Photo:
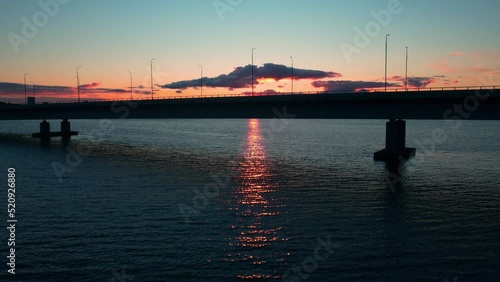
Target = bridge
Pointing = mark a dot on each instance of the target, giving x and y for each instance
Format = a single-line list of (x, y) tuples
[(479, 104), (446, 104)]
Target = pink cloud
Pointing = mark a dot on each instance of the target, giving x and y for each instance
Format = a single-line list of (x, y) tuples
[(458, 54), (442, 67), (490, 55), (481, 68)]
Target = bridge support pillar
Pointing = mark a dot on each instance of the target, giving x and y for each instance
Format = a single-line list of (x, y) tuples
[(65, 131), (45, 127), (65, 125), (45, 134), (395, 143)]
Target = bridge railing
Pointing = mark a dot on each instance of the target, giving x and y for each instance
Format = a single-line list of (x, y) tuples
[(389, 90)]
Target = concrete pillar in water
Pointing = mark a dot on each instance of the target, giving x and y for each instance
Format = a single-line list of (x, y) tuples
[(44, 134), (44, 127), (65, 125), (395, 136), (395, 142)]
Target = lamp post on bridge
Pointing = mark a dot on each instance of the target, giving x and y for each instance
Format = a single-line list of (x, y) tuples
[(252, 69), (25, 95), (406, 71), (78, 83), (34, 94), (131, 88), (152, 89), (385, 82), (292, 73), (201, 79)]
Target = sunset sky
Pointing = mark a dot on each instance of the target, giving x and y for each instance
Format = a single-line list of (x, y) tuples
[(451, 43)]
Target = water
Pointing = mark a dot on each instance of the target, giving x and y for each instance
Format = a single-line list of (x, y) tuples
[(235, 200)]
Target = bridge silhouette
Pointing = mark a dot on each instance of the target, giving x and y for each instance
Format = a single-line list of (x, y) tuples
[(478, 104), (445, 104)]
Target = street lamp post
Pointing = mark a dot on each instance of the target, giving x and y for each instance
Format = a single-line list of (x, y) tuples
[(78, 83), (385, 83), (292, 72), (25, 95), (152, 89), (131, 89), (406, 71), (201, 79), (34, 94), (252, 69)]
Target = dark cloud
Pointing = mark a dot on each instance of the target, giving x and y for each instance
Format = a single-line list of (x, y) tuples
[(349, 85), (8, 88), (449, 81), (90, 85), (143, 92), (109, 90), (18, 88), (241, 77), (419, 82), (262, 93), (278, 72)]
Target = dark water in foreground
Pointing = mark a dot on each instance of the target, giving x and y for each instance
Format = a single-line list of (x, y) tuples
[(233, 200)]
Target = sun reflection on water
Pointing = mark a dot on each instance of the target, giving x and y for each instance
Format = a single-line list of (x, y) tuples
[(255, 245)]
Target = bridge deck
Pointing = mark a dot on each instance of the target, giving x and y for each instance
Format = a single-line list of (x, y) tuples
[(470, 104)]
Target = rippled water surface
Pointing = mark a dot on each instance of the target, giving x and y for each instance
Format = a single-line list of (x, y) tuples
[(236, 200)]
